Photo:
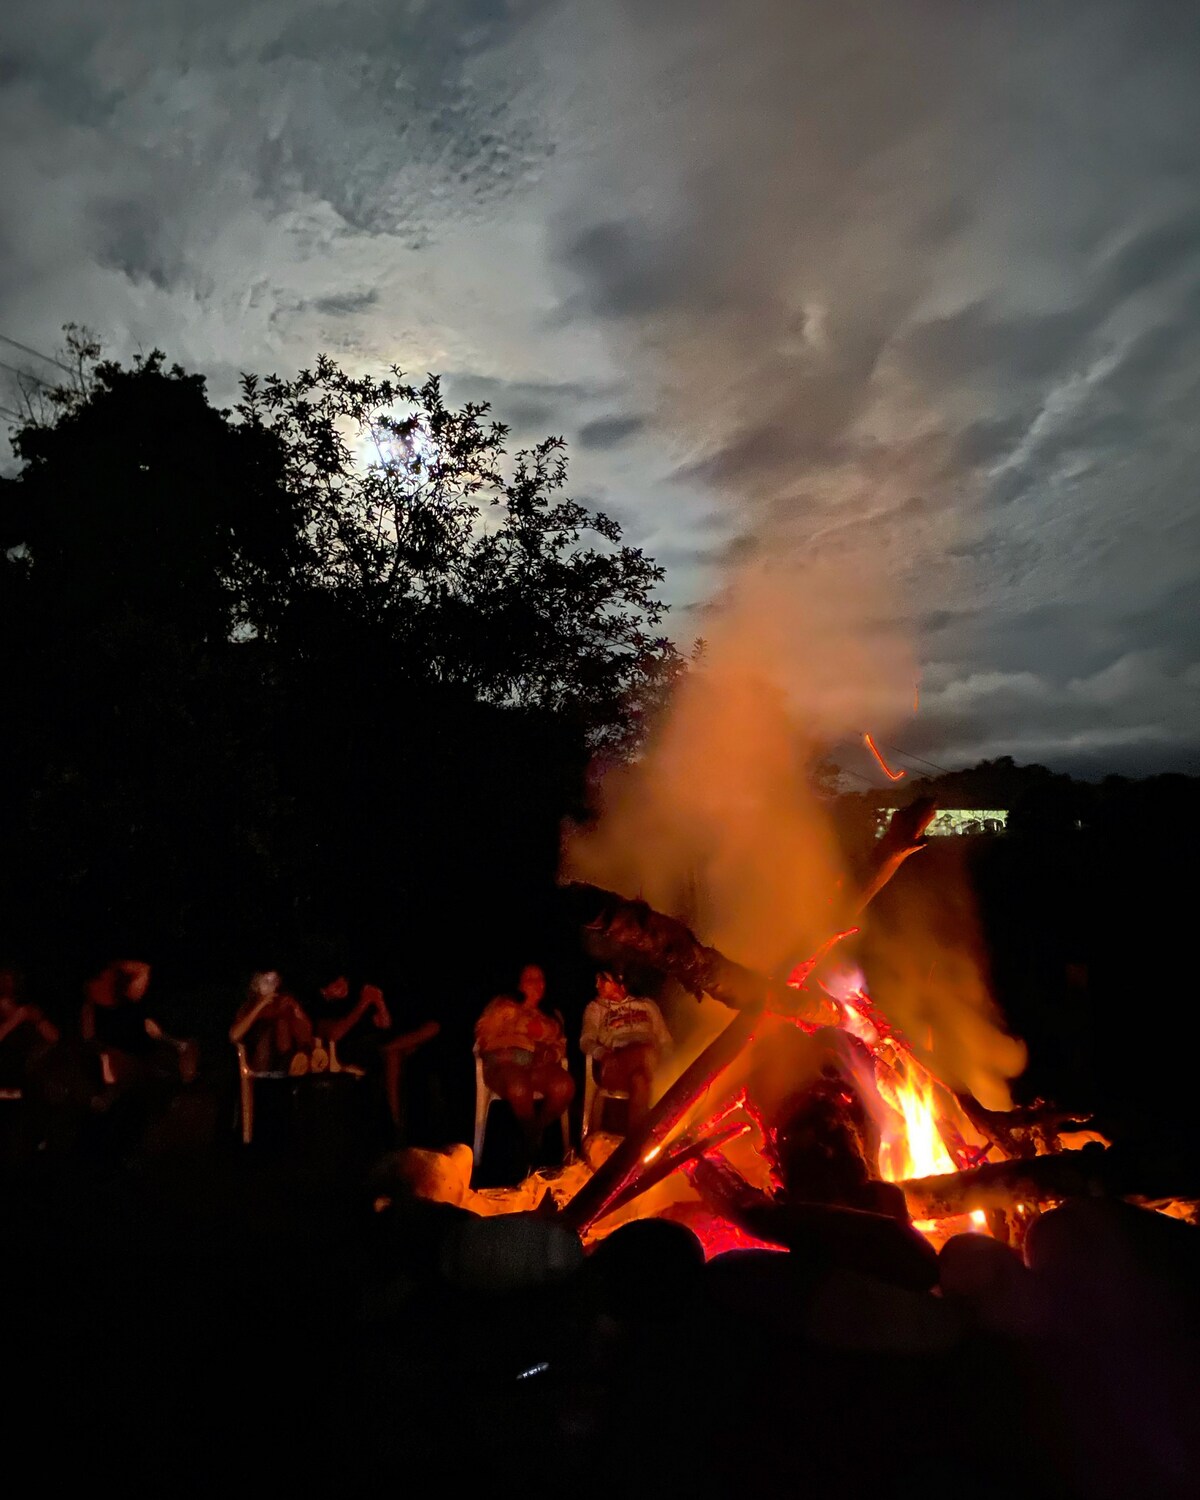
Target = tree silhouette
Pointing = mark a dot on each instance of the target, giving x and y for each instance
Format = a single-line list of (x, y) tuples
[(332, 663), (425, 532)]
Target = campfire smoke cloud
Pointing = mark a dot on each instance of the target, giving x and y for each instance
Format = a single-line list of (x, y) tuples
[(762, 312)]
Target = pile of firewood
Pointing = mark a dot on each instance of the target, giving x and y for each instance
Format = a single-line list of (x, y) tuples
[(1029, 1166)]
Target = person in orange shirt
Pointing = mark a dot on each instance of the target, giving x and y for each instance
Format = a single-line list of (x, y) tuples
[(522, 1050)]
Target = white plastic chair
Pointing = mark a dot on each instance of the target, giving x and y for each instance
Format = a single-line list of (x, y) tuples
[(593, 1096), (485, 1098), (247, 1077)]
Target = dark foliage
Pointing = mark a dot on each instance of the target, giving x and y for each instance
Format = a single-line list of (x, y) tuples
[(317, 676)]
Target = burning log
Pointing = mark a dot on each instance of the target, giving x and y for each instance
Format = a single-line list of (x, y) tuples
[(875, 1244), (637, 931), (625, 1165), (904, 837), (687, 1151), (666, 944), (1029, 1130), (1094, 1171)]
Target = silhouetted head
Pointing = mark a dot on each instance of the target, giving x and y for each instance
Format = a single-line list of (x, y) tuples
[(132, 978), (336, 989), (118, 982), (265, 982)]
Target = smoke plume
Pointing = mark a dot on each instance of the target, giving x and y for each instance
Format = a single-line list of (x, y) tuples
[(755, 266)]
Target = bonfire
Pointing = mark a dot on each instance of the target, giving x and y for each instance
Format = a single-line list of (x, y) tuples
[(869, 1131)]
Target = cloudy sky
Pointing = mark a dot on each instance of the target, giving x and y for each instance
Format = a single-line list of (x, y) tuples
[(785, 272)]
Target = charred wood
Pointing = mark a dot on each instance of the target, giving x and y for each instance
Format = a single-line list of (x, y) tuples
[(635, 930), (1092, 1172), (597, 1196)]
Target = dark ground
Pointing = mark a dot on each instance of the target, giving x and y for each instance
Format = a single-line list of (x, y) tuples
[(241, 1321)]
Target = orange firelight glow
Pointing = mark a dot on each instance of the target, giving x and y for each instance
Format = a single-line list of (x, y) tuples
[(883, 765)]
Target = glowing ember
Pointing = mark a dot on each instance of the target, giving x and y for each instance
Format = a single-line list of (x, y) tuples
[(799, 976), (883, 765), (716, 1234)]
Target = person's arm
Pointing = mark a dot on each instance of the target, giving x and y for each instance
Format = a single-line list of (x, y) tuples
[(663, 1041), (156, 1034), (46, 1028), (409, 1041), (247, 1016), (302, 1026), (370, 998), (186, 1052), (558, 1042), (484, 1027), (16, 1018), (589, 1042)]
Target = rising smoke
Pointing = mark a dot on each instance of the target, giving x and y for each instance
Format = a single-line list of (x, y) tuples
[(756, 261)]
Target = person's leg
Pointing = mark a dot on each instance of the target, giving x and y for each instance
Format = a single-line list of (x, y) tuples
[(557, 1088), (638, 1086), (514, 1084), (631, 1071), (393, 1062)]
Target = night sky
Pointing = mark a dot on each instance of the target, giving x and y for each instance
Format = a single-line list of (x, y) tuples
[(775, 269)]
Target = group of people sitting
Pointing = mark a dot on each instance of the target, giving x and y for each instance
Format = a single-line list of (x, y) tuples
[(116, 1051), (281, 1035), (114, 1056), (523, 1049)]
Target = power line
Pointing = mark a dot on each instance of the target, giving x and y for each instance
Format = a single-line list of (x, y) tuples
[(37, 354), (933, 766), (24, 374)]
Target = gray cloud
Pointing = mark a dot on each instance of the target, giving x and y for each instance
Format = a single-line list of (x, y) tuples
[(924, 272), (609, 432), (882, 254)]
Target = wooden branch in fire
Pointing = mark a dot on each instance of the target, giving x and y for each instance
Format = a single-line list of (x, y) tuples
[(686, 1151), (1037, 1181), (664, 943), (625, 1166), (903, 837)]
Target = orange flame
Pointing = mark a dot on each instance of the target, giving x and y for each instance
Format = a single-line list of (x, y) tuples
[(883, 765), (911, 1143), (912, 1146)]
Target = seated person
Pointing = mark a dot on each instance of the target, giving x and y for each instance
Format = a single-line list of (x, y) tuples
[(522, 1049), (344, 1024), (26, 1035), (273, 1027), (625, 1036), (131, 1046)]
